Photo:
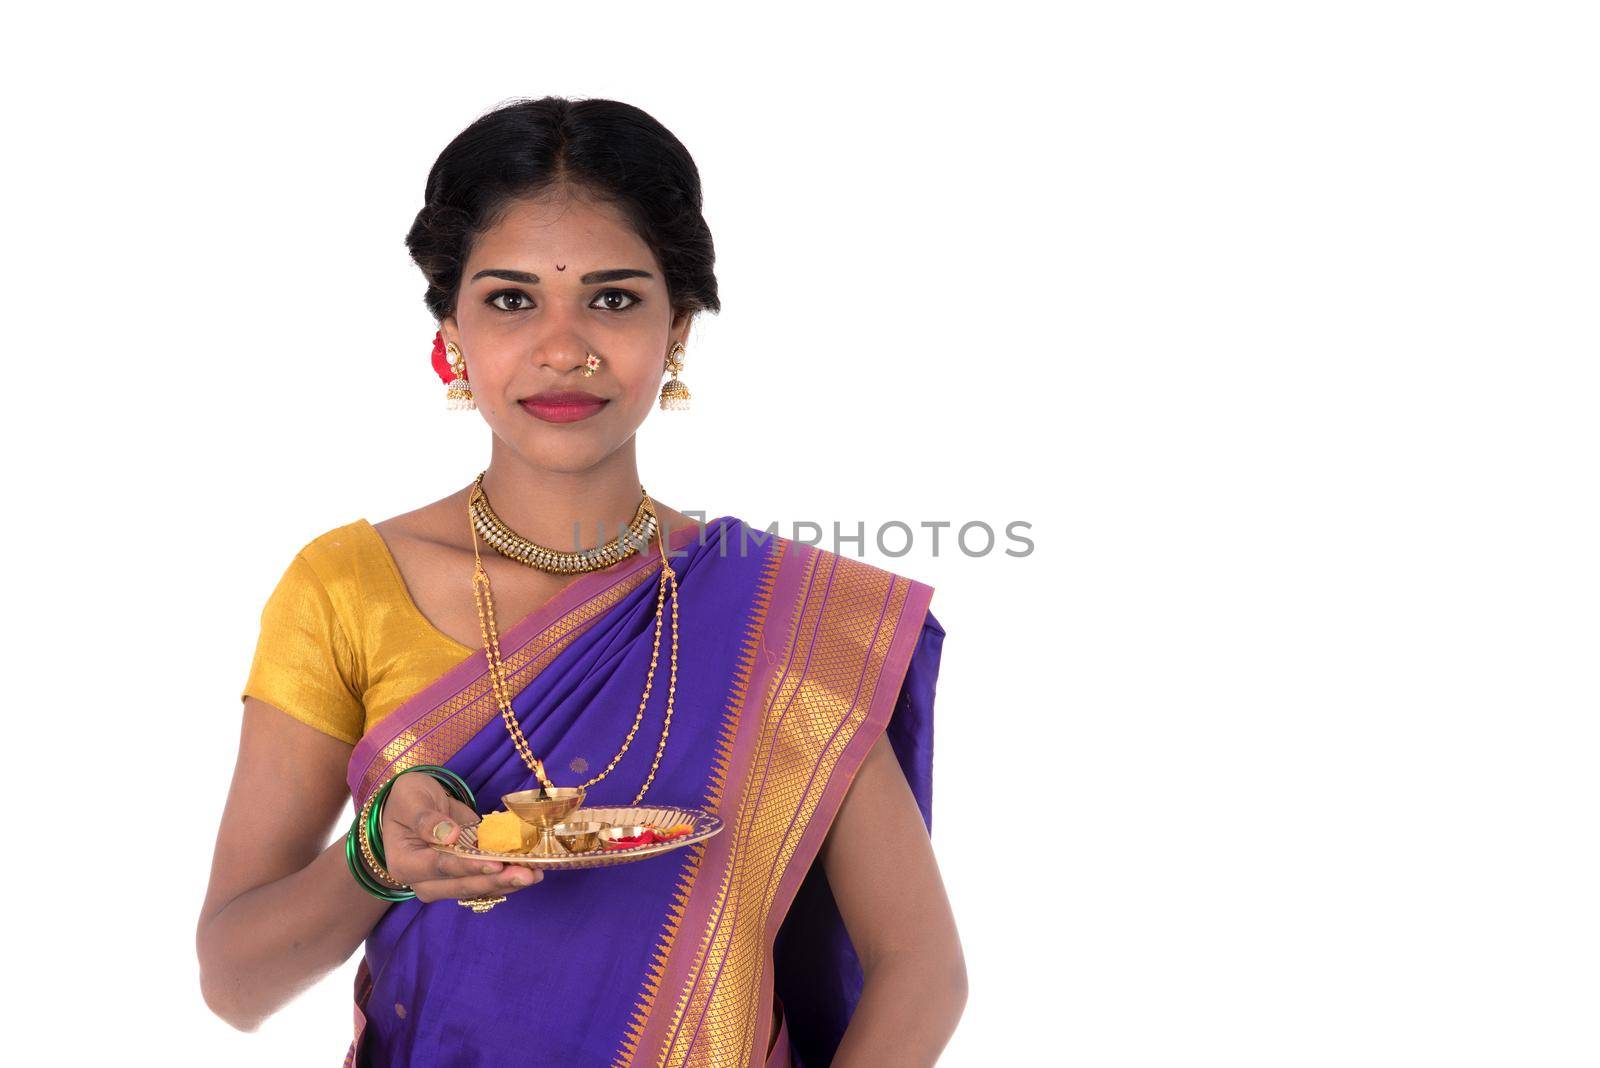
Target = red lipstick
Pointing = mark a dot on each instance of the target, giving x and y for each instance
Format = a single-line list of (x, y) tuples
[(562, 406)]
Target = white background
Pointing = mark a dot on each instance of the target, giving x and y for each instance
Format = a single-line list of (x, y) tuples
[(1276, 321)]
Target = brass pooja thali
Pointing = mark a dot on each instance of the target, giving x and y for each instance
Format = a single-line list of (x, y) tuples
[(550, 829)]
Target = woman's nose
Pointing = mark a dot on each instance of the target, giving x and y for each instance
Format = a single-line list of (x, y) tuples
[(563, 354)]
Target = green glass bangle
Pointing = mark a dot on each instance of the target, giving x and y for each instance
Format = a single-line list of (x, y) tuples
[(375, 822), (450, 781), (364, 880), (352, 856), (363, 875)]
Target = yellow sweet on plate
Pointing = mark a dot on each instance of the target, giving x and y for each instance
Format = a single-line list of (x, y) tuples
[(505, 832)]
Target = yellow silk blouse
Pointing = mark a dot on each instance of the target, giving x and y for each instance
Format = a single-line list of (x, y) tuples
[(342, 642)]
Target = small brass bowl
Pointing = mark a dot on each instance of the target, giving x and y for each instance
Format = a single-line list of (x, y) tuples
[(625, 830), (543, 807), (578, 837)]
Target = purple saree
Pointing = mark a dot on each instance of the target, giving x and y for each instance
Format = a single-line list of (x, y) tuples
[(792, 660)]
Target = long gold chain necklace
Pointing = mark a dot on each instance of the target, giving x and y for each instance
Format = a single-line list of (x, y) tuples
[(484, 599)]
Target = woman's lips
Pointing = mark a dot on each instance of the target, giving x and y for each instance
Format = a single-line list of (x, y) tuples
[(564, 407)]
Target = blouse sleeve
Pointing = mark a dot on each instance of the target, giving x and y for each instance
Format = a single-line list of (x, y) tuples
[(304, 662)]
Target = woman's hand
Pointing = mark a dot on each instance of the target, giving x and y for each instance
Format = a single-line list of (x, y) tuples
[(418, 811)]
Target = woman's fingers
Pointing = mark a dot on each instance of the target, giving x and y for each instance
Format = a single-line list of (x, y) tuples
[(463, 816), (462, 812), (455, 815), (422, 807), (436, 823), (437, 865), (442, 821), (507, 882), (412, 859), (421, 813)]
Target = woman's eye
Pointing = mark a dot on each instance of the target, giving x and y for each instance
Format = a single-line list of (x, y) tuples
[(608, 300), (512, 300), (509, 300)]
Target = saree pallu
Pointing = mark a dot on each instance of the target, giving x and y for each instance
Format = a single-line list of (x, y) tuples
[(792, 662)]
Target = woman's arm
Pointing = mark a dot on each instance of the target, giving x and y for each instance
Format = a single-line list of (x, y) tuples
[(282, 909), (885, 880)]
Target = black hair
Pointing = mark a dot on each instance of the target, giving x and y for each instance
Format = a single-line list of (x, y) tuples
[(610, 150)]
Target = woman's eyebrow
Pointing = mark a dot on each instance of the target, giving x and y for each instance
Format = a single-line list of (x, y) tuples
[(612, 274)]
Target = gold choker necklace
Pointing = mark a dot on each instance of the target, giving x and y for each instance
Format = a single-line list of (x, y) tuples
[(509, 543)]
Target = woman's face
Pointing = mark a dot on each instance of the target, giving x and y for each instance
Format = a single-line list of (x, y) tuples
[(555, 279)]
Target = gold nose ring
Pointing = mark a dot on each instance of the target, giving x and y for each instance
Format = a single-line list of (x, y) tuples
[(591, 364)]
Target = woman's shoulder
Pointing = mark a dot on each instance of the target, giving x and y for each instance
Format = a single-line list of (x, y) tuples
[(308, 660), (340, 555), (344, 570)]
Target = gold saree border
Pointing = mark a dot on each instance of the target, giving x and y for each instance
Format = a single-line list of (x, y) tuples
[(738, 696), (844, 618)]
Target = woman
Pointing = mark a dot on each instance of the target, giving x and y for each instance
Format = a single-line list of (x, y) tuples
[(566, 256)]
